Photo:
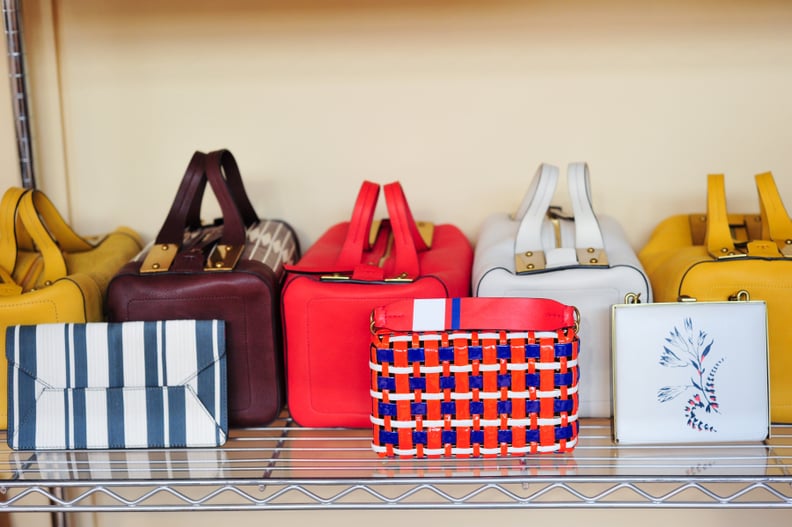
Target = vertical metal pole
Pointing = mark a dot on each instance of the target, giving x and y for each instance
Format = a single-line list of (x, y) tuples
[(13, 32)]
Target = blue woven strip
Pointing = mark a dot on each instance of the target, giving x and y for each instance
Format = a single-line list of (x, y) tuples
[(455, 313), (477, 437)]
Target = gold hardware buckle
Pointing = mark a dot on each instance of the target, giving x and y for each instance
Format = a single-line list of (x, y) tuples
[(335, 277), (401, 278), (529, 262), (223, 257), (740, 296), (592, 257), (632, 298), (159, 258)]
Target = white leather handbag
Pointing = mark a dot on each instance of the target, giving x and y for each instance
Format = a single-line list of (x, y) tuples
[(585, 261)]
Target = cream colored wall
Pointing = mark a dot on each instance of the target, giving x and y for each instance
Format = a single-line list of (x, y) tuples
[(460, 100)]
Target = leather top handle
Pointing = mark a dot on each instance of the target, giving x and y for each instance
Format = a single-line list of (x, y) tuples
[(51, 254), (185, 211), (406, 237), (530, 252), (8, 223), (188, 195), (776, 223), (233, 177), (589, 243), (357, 237)]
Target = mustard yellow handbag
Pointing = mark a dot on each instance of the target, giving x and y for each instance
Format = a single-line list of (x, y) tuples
[(721, 256), (48, 272)]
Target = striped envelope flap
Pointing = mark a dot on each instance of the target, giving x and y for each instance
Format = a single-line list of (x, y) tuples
[(117, 385)]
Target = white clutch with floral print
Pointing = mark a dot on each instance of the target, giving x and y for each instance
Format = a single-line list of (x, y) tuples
[(690, 372)]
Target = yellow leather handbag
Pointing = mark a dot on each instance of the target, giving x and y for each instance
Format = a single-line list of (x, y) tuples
[(48, 272), (720, 256)]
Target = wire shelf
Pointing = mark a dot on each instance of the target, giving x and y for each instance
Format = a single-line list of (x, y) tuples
[(284, 466)]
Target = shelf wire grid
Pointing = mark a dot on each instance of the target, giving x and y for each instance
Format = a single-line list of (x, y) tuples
[(285, 467)]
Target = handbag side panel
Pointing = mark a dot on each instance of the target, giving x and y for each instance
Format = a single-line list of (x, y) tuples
[(591, 290), (768, 280), (450, 259), (73, 299), (327, 338), (246, 299)]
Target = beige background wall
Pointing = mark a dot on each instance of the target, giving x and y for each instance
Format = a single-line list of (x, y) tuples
[(460, 100)]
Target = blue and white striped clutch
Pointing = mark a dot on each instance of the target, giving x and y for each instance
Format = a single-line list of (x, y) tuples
[(117, 385)]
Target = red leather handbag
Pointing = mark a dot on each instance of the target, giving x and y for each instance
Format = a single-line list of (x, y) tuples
[(231, 270), (329, 295)]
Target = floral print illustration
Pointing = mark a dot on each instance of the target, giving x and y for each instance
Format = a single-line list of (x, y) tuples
[(691, 349)]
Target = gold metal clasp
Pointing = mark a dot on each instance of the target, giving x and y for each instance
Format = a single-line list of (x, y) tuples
[(577, 319), (401, 278), (159, 258), (223, 257), (591, 257), (740, 296), (785, 248), (529, 261), (632, 298), (335, 277)]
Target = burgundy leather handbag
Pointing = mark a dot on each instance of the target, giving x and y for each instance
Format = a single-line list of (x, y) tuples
[(231, 270)]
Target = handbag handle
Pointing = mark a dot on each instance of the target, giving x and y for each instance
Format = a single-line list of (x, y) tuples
[(8, 232), (475, 313), (357, 237), (35, 209), (406, 236), (776, 234), (185, 213), (528, 248), (718, 237), (776, 223), (236, 187), (530, 254), (8, 239)]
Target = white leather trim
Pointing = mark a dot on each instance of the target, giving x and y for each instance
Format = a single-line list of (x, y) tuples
[(533, 209), (587, 229)]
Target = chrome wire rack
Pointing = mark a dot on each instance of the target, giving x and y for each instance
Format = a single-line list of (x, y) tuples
[(284, 466)]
